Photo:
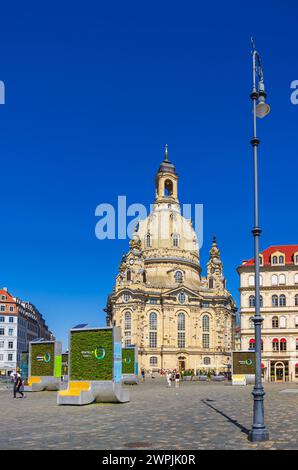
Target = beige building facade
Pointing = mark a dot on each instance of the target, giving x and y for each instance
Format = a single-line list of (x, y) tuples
[(178, 318), (279, 308)]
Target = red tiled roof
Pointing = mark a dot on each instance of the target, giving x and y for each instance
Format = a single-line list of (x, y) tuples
[(9, 297), (287, 250)]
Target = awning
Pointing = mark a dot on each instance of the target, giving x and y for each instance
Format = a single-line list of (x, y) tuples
[(283, 340)]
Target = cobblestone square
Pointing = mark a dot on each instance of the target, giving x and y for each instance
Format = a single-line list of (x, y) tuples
[(194, 416)]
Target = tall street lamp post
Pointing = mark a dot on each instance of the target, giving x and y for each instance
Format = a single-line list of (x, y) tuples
[(258, 431)]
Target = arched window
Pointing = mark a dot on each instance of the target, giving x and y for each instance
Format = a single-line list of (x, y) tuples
[(206, 331), (144, 277), (207, 361), (282, 279), (127, 329), (282, 322), (251, 344), (282, 300), (296, 259), (275, 344), (283, 344), (153, 361), (281, 260), (153, 330), (168, 188), (181, 330), (296, 347), (274, 260), (128, 275), (252, 301), (178, 276), (296, 279), (211, 283), (261, 301), (181, 298), (275, 322), (296, 300), (251, 280), (251, 323), (274, 301), (176, 240), (148, 240), (274, 280)]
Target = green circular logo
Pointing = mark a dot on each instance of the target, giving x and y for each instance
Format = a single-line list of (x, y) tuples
[(47, 357), (127, 360), (99, 353), (248, 362)]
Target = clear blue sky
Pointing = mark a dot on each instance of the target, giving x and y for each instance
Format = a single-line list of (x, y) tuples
[(94, 90)]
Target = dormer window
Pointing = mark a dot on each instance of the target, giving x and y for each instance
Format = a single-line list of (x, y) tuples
[(281, 260), (178, 276), (148, 240), (278, 258), (296, 258), (175, 240), (274, 260), (261, 260)]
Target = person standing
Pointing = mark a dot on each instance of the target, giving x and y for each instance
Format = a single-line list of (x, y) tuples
[(143, 374)]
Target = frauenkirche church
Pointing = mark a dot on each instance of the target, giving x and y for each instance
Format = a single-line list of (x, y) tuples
[(177, 317)]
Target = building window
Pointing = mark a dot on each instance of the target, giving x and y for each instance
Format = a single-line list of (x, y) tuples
[(128, 275), (296, 345), (282, 322), (11, 309), (153, 361), (168, 188), (296, 300), (1, 331), (274, 322), (144, 277), (148, 240), (296, 279), (181, 330), (282, 300), (127, 329), (251, 280), (1, 357), (181, 298), (261, 301), (10, 319), (178, 276), (10, 331), (281, 260), (175, 240), (10, 344), (206, 331), (274, 301), (296, 322), (282, 279), (10, 357), (211, 283), (251, 323), (153, 330), (2, 308), (283, 344), (1, 344), (260, 260), (153, 301), (252, 301), (207, 361), (2, 319), (275, 345), (296, 259), (3, 297), (274, 260), (274, 280)]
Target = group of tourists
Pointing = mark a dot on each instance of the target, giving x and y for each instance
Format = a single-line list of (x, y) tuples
[(173, 376)]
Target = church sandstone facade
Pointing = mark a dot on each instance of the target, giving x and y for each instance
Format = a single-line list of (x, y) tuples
[(177, 317)]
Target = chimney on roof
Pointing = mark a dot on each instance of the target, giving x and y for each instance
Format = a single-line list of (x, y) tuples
[(5, 288)]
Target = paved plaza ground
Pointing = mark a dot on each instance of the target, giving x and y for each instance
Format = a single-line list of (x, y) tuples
[(195, 416)]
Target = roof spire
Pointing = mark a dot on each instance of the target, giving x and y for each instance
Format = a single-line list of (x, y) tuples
[(166, 153)]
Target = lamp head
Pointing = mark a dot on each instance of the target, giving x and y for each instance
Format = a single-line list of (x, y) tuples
[(262, 108)]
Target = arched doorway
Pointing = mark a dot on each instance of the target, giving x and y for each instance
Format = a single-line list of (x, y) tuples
[(181, 363), (279, 369)]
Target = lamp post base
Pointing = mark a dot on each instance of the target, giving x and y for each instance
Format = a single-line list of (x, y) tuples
[(258, 435)]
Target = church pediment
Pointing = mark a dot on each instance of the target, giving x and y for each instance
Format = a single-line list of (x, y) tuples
[(179, 289)]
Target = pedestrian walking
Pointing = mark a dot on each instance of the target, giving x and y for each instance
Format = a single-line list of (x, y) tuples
[(169, 378), (143, 374), (177, 379), (18, 384)]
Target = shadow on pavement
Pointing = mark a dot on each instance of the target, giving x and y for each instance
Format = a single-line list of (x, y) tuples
[(233, 421)]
